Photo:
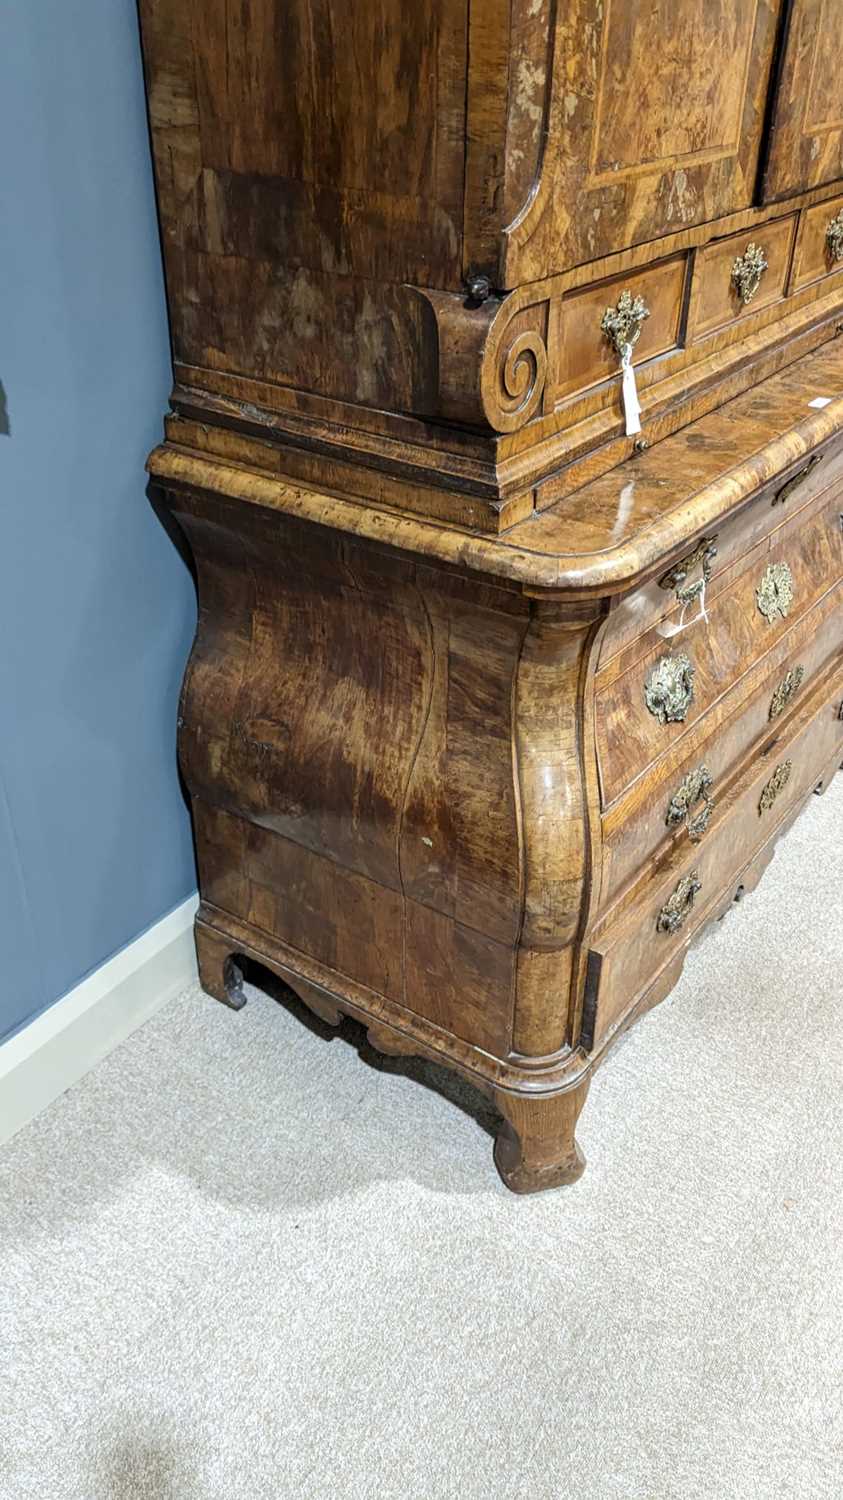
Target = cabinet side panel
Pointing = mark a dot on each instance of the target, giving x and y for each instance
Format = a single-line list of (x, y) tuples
[(307, 691), (346, 734), (310, 161)]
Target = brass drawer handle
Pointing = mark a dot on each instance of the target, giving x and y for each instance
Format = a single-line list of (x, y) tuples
[(795, 480), (834, 238), (669, 689), (747, 272), (694, 788), (777, 783), (701, 557), (775, 591), (622, 324), (786, 691), (679, 905)]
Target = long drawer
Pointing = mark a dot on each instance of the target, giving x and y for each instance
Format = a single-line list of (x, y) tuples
[(675, 680), (794, 491), (675, 803), (628, 955)]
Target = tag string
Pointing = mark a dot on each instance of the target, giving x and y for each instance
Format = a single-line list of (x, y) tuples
[(629, 393)]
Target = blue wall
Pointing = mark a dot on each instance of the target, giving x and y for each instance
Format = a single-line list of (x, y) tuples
[(96, 606)]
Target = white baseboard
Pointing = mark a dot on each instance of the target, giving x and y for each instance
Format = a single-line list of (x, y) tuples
[(60, 1046)]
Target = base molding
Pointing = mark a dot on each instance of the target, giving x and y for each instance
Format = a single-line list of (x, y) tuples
[(536, 1146), (222, 938), (65, 1042)]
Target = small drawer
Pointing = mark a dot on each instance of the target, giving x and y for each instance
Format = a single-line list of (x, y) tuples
[(655, 692), (819, 244), (724, 286), (794, 489), (675, 805), (631, 951), (586, 354)]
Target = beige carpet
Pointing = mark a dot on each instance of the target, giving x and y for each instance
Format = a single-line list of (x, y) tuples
[(239, 1262)]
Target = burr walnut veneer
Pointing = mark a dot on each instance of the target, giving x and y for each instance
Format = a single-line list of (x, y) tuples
[(496, 701)]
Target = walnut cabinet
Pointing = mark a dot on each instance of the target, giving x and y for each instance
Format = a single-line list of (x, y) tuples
[(500, 693)]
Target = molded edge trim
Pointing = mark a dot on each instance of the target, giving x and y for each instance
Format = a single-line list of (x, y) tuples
[(614, 570), (530, 1076)]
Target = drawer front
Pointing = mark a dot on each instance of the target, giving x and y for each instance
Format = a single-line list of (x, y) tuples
[(819, 244), (738, 276), (587, 355), (716, 551), (675, 806), (628, 957), (642, 713)]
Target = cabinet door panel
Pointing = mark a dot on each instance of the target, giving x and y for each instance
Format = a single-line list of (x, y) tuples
[(806, 139), (655, 120)]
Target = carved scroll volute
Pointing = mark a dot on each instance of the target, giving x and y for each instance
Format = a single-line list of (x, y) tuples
[(515, 367), (454, 331), (488, 360)]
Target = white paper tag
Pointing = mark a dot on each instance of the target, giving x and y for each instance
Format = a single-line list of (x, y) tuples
[(629, 392), (820, 401), (667, 629)]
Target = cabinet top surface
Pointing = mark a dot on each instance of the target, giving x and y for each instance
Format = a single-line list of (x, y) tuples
[(614, 529)]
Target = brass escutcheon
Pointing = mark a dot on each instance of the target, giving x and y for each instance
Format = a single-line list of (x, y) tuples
[(694, 788), (786, 691), (622, 324), (669, 689), (834, 238), (795, 480), (677, 908), (747, 271), (701, 557), (778, 781), (774, 593)]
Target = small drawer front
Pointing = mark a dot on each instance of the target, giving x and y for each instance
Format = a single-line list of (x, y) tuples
[(629, 955), (587, 353), (739, 276), (819, 244), (676, 678), (717, 550), (676, 806)]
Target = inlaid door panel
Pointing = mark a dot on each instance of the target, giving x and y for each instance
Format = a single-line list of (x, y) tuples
[(655, 122), (806, 138)]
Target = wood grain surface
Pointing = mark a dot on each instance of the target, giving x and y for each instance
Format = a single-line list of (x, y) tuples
[(806, 139), (435, 571), (334, 175)]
